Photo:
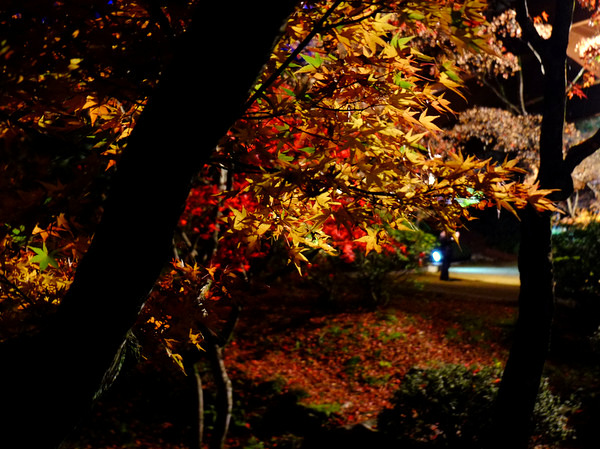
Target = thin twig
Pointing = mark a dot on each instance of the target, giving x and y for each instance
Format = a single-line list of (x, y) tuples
[(12, 285), (316, 29)]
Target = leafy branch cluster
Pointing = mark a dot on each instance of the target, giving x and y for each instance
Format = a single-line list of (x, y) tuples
[(29, 291), (332, 138), (74, 81), (72, 90), (338, 135)]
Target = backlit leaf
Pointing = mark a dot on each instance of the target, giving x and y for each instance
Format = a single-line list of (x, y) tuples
[(43, 257)]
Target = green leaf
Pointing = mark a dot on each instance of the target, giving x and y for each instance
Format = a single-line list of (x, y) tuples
[(453, 76), (18, 235), (282, 128), (418, 146), (315, 61), (416, 16), (475, 198), (466, 202), (399, 81), (401, 42), (43, 257), (309, 150), (451, 73), (284, 157)]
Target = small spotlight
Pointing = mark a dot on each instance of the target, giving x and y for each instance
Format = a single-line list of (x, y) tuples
[(436, 256)]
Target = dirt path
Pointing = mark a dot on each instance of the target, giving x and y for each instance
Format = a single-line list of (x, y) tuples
[(497, 284)]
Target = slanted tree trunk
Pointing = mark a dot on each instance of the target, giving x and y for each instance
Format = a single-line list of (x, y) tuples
[(523, 372), (48, 382)]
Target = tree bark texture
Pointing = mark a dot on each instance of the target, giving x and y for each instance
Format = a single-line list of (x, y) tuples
[(47, 382)]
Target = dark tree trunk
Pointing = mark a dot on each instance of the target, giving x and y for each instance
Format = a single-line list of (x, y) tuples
[(48, 382), (523, 372)]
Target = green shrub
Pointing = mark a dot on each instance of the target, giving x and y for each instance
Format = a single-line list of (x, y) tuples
[(576, 259), (450, 407)]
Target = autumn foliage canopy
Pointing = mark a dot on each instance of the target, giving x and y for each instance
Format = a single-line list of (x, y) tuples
[(330, 151)]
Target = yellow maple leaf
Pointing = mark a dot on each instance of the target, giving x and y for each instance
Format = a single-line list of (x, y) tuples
[(372, 241), (90, 101), (238, 219)]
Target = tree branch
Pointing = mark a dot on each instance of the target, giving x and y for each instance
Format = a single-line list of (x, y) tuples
[(353, 21), (578, 153), (4, 280), (318, 27), (502, 97), (528, 32)]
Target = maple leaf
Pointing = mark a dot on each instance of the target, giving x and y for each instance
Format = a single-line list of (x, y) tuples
[(43, 257), (74, 63), (177, 358), (314, 61), (196, 339), (239, 218), (371, 240)]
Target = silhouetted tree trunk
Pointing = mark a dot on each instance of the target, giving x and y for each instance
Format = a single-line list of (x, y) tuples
[(47, 382), (523, 372)]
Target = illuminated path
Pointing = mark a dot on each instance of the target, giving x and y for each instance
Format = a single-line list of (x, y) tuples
[(472, 282), (496, 275)]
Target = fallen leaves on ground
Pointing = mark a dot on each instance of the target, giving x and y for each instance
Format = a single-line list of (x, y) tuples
[(355, 360)]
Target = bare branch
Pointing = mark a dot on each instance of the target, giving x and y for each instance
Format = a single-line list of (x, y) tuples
[(529, 33)]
